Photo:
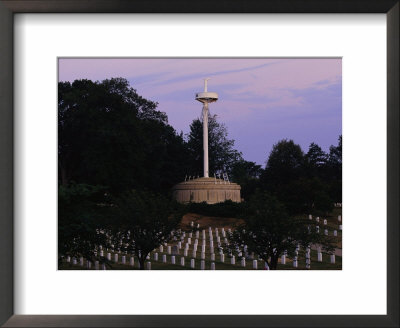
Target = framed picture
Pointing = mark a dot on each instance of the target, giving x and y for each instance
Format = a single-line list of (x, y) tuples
[(270, 300)]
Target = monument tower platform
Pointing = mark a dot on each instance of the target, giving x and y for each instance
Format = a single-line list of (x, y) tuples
[(206, 189)]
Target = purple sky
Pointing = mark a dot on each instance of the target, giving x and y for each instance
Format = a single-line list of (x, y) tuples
[(261, 101)]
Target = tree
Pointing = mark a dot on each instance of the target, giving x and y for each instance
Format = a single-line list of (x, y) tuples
[(247, 175), (222, 155), (285, 163), (142, 221), (334, 171), (111, 136), (79, 221), (269, 231), (315, 161)]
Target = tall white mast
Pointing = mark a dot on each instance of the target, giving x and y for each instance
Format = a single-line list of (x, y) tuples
[(206, 98)]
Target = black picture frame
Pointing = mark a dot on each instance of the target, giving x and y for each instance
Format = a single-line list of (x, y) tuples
[(10, 7)]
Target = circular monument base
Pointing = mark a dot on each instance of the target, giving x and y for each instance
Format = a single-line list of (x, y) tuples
[(210, 190)]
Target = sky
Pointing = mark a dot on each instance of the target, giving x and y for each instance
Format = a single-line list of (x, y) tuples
[(261, 100)]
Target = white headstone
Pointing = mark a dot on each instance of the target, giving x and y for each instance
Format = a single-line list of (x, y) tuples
[(194, 253), (168, 250), (212, 266), (74, 262), (212, 257), (333, 258), (81, 261), (109, 256), (255, 264), (339, 218), (202, 255), (116, 258), (203, 248), (340, 227), (173, 259), (192, 263), (197, 234), (190, 235), (317, 219), (123, 259), (222, 258), (310, 216), (161, 248), (185, 252), (132, 261), (283, 259), (325, 221), (317, 229), (182, 261), (211, 250), (68, 259), (266, 267), (326, 232), (319, 257), (243, 262), (211, 244), (164, 258), (189, 241), (202, 265), (233, 260), (295, 262), (155, 256), (335, 233), (101, 253)]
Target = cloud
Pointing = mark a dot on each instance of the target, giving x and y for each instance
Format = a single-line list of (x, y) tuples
[(260, 100)]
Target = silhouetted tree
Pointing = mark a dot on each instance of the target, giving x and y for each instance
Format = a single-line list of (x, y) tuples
[(142, 221), (222, 155), (269, 231)]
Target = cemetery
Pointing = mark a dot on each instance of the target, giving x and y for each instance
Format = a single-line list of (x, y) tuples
[(197, 249), (142, 214)]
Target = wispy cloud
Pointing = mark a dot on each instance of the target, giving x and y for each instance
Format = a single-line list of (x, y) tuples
[(260, 100)]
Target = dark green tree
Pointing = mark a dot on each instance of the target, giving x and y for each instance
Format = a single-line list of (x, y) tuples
[(222, 155), (80, 218), (111, 136), (334, 171), (269, 231), (315, 161), (285, 163), (142, 221), (247, 175)]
